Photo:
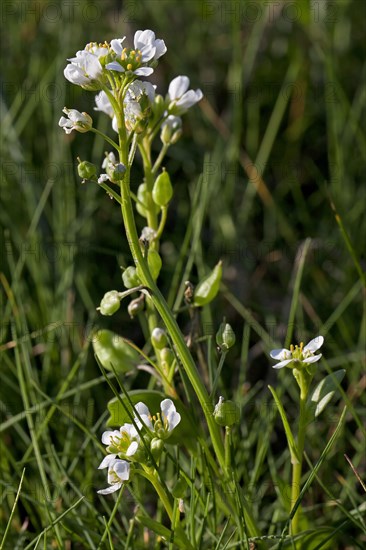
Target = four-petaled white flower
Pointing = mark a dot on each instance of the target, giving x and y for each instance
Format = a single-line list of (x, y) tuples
[(147, 49), (81, 122), (179, 97), (85, 69), (124, 441), (163, 423), (118, 473), (298, 354)]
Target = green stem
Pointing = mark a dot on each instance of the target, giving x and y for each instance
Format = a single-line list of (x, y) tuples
[(160, 491), (104, 136), (228, 451), (297, 466), (161, 305)]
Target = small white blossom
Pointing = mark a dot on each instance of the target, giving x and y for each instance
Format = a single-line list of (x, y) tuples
[(298, 354), (124, 441), (179, 97), (81, 122), (85, 70), (146, 50), (163, 423), (118, 473), (147, 37)]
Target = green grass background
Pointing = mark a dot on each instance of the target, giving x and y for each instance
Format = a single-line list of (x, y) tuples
[(280, 145)]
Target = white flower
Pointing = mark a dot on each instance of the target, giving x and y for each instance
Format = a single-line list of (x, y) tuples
[(147, 49), (298, 354), (118, 473), (147, 37), (81, 122), (84, 70), (137, 89), (164, 422), (124, 441), (179, 97)]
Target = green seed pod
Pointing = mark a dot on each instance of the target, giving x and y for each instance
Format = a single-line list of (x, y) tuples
[(159, 338), (225, 337), (110, 303), (180, 488), (130, 278), (162, 191), (116, 172), (226, 413), (112, 349), (207, 289), (87, 170), (167, 356), (142, 201), (154, 262)]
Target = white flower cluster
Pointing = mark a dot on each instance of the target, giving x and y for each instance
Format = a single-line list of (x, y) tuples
[(113, 67), (126, 443)]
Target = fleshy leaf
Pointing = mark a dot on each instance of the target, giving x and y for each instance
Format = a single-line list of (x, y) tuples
[(324, 392)]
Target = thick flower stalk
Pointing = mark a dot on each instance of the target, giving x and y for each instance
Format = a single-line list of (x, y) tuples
[(301, 360)]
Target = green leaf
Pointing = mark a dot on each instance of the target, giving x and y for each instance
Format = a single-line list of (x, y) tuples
[(186, 431), (112, 349), (324, 392), (290, 438), (178, 537)]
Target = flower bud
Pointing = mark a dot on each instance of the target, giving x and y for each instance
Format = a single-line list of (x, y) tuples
[(180, 488), (87, 170), (207, 289), (171, 130), (225, 337), (156, 447), (226, 413), (110, 303), (162, 191), (130, 278), (159, 338)]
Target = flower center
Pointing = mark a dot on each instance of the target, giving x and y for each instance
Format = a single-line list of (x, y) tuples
[(131, 59)]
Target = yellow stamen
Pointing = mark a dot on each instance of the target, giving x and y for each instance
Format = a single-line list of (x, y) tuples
[(129, 67)]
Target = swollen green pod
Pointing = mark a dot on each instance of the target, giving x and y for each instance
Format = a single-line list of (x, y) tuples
[(162, 191), (154, 262), (130, 278), (207, 289), (112, 350), (110, 303)]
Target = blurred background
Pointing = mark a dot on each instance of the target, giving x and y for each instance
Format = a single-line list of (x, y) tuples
[(269, 177)]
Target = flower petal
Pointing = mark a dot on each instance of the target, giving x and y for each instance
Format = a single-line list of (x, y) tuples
[(280, 354), (106, 436), (178, 86), (115, 66), (314, 344), (143, 71), (122, 469), (282, 364), (116, 45), (312, 358), (110, 489), (107, 461), (132, 448)]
